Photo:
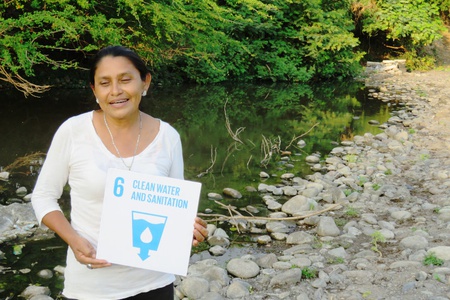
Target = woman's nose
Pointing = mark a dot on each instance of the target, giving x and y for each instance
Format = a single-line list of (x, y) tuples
[(116, 88)]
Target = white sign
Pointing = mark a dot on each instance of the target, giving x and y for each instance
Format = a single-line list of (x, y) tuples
[(148, 221)]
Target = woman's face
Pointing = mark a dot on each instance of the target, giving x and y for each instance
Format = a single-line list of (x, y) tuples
[(118, 86)]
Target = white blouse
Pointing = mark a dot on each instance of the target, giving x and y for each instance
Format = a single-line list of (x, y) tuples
[(77, 156)]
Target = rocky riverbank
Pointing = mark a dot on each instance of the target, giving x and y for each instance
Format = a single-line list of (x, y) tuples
[(373, 222)]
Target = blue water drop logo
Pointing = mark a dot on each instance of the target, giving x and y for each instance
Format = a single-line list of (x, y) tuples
[(147, 232)]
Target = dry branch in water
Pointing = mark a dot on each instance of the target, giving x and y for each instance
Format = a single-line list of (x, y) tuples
[(268, 148), (234, 135), (213, 162), (34, 159), (23, 85), (302, 135)]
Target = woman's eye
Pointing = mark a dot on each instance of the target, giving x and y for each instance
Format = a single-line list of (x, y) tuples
[(126, 80), (104, 83)]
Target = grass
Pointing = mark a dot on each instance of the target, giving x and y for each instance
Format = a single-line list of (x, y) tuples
[(432, 260), (362, 180), (347, 192), (351, 158), (340, 222), (424, 156), (377, 237), (309, 273), (376, 187), (336, 260), (351, 212), (438, 277)]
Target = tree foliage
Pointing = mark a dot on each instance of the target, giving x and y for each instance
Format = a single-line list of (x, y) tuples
[(206, 41)]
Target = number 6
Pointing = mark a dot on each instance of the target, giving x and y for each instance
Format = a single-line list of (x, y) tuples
[(118, 186)]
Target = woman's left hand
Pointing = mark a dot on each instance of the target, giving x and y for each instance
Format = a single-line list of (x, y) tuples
[(200, 231)]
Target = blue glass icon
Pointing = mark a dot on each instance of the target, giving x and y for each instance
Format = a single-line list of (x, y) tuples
[(147, 232)]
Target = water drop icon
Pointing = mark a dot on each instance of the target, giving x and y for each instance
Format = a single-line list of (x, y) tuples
[(146, 236)]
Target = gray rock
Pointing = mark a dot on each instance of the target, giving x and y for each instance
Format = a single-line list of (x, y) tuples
[(264, 239), (289, 191), (267, 261), (401, 215), (264, 175), (287, 176), (301, 262), (421, 276), (212, 296), (218, 241), (21, 192), (238, 289), (405, 264), (338, 252), (242, 268), (46, 274), (312, 159), (217, 274), (215, 196), (327, 227), (4, 176), (299, 237), (219, 232), (194, 287), (217, 250), (442, 252), (41, 297), (414, 242), (277, 227), (298, 204), (262, 187), (289, 277), (232, 193), (33, 291)]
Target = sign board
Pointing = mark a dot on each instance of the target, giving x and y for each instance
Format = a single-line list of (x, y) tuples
[(148, 221)]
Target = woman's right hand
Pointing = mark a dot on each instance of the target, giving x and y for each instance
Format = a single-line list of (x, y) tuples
[(85, 253)]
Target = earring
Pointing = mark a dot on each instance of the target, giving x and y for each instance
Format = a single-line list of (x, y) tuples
[(144, 93), (96, 100)]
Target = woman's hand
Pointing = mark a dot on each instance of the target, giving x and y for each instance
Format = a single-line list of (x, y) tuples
[(85, 253), (200, 231), (83, 250)]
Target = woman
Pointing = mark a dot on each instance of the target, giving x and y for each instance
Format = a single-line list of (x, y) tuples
[(118, 135)]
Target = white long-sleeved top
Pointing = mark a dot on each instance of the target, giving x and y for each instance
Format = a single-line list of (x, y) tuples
[(77, 156)]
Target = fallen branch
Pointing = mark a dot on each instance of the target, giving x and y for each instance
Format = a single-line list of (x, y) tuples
[(238, 216)]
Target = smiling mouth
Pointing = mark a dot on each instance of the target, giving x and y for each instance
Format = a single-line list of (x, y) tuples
[(119, 101)]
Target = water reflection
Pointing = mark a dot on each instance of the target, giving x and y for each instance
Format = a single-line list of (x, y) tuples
[(225, 129)]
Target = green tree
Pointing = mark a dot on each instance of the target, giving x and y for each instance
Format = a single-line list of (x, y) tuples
[(401, 26), (207, 41)]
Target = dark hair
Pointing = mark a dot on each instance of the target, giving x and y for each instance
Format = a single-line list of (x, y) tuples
[(115, 51)]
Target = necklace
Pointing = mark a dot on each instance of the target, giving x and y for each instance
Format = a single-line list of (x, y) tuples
[(114, 144)]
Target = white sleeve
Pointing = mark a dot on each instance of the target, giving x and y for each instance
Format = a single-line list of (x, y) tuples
[(177, 168), (53, 175)]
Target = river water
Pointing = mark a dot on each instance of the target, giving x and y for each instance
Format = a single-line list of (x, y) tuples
[(226, 130)]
